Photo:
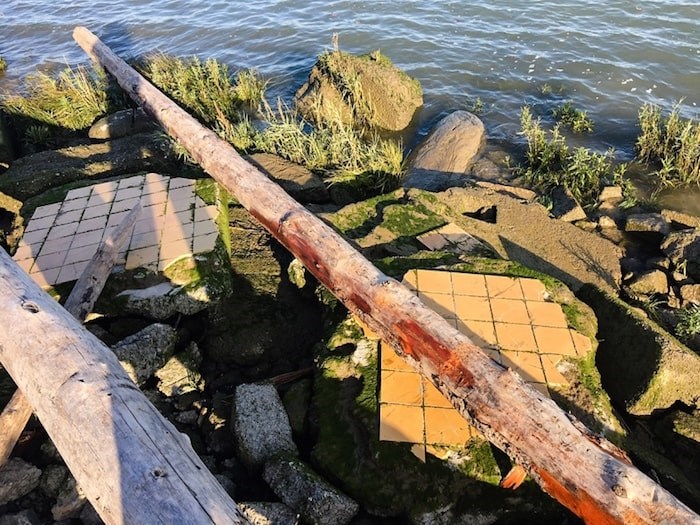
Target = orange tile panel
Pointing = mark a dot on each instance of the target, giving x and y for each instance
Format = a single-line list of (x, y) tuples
[(391, 361), (515, 337), (469, 284), (470, 308), (404, 388), (527, 364), (432, 397), (546, 314), (481, 333), (440, 303), (509, 311), (434, 281), (554, 340), (533, 290), (445, 426), (503, 287), (582, 343), (401, 423)]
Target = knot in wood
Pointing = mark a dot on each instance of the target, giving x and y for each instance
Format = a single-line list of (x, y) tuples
[(30, 306), (620, 491)]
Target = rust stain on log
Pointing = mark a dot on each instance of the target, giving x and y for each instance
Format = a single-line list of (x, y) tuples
[(418, 344), (578, 502)]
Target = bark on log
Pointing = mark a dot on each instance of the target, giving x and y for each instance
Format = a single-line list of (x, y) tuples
[(531, 429)]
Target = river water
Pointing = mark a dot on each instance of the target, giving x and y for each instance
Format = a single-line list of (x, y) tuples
[(606, 57)]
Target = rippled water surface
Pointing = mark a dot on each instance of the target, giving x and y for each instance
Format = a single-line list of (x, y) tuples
[(607, 57)]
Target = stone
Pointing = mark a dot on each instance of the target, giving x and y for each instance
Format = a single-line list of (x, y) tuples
[(52, 479), (89, 516), (650, 283), (260, 425), (611, 194), (144, 352), (318, 502), (680, 220), (690, 293), (509, 191), (180, 374), (301, 183), (683, 248), (7, 150), (384, 96), (605, 222), (565, 207), (643, 367), (25, 517), (70, 501), (268, 513), (647, 223), (296, 402), (164, 300), (444, 158), (122, 123), (17, 478)]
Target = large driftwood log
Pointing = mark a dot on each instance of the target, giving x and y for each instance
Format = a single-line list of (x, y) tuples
[(566, 462), (132, 464)]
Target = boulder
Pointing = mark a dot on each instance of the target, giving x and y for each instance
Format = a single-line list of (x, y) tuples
[(122, 123), (647, 223), (25, 517), (643, 367), (296, 180), (565, 207), (17, 478), (146, 351), (180, 374), (605, 222), (445, 156), (360, 90), (318, 502), (649, 283), (690, 293), (52, 479), (268, 513), (164, 300), (70, 501), (34, 174), (680, 220), (611, 194), (683, 248), (261, 425)]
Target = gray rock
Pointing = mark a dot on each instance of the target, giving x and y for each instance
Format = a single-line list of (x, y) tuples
[(226, 482), (296, 180), (89, 516), (448, 515), (70, 501), (26, 517), (650, 283), (690, 293), (447, 154), (261, 425), (565, 207), (605, 222), (683, 248), (17, 478), (312, 497), (180, 374), (647, 222), (146, 351), (121, 124), (611, 194), (267, 513), (164, 300), (52, 479)]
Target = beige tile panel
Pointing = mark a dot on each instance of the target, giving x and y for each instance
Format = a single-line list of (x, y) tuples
[(434, 281), (502, 287)]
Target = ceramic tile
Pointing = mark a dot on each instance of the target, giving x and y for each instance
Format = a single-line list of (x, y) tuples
[(46, 211), (175, 249), (401, 423), (180, 182), (45, 278), (124, 205), (185, 193), (156, 187), (552, 374), (400, 388), (509, 311), (75, 204), (68, 217), (445, 426), (80, 254), (482, 333), (25, 264), (178, 206), (434, 281), (144, 240), (25, 251), (97, 211), (533, 290), (208, 213), (48, 261), (515, 337), (127, 193), (86, 238), (98, 223), (100, 199), (155, 177), (105, 188), (35, 237), (116, 218), (546, 314), (205, 228), (554, 340), (432, 397), (582, 343), (541, 388), (204, 243), (469, 284), (147, 223), (142, 257), (58, 232), (391, 361), (433, 240), (440, 303), (526, 364), (502, 287), (410, 278), (78, 192), (42, 223), (163, 263), (132, 182), (55, 246), (472, 308)]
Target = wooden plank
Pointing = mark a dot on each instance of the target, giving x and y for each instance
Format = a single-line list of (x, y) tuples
[(13, 419), (566, 462)]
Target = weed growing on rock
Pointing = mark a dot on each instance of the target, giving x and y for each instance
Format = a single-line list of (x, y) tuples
[(688, 322), (576, 119), (551, 163), (72, 100), (673, 142)]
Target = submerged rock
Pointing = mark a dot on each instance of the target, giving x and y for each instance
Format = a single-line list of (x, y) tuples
[(446, 155), (261, 425), (17, 478), (360, 90), (302, 489), (122, 123)]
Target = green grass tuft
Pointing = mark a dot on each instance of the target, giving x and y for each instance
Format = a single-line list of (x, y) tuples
[(671, 141), (688, 322), (576, 119)]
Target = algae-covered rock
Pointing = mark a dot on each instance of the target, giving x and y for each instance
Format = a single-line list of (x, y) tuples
[(445, 156), (365, 90), (643, 367)]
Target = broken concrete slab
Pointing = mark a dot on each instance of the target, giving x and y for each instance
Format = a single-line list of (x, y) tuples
[(298, 181), (144, 352)]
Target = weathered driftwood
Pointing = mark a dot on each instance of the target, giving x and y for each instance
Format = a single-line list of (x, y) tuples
[(566, 462), (79, 304), (13, 419), (132, 464)]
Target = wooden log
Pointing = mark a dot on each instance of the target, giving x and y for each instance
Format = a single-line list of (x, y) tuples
[(79, 304), (566, 462), (132, 464)]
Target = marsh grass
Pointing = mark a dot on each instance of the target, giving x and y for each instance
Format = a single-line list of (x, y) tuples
[(576, 119), (71, 100), (671, 141), (551, 163), (206, 89)]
